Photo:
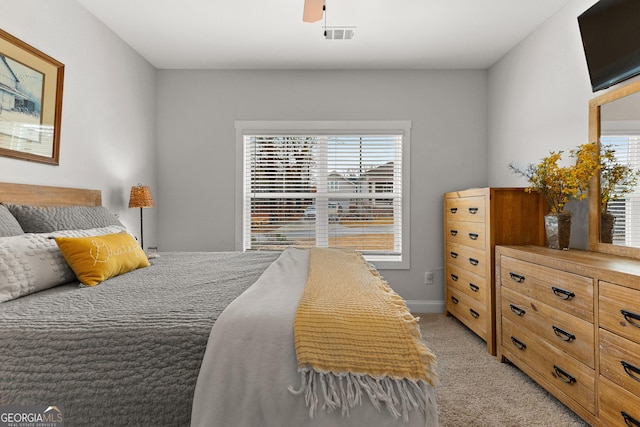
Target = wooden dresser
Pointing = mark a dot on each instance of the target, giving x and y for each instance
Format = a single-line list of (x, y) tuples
[(476, 220), (571, 321)]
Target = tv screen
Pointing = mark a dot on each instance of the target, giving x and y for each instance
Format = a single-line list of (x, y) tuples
[(610, 31)]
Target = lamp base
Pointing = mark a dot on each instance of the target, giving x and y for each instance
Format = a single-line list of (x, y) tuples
[(152, 252)]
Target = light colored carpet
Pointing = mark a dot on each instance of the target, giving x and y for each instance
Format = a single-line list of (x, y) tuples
[(475, 389)]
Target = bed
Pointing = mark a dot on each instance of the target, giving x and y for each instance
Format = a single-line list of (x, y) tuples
[(195, 338)]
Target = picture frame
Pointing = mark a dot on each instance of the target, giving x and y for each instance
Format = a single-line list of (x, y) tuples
[(31, 85)]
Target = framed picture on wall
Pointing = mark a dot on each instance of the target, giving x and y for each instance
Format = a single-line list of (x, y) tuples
[(30, 102)]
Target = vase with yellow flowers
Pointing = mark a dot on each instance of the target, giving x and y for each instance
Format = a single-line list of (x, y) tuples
[(616, 180), (558, 185)]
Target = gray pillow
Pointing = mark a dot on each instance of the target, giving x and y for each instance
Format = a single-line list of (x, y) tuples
[(35, 219), (32, 262), (9, 225)]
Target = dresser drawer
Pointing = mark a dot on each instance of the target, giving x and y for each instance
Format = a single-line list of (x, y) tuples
[(620, 361), (559, 369), (564, 331), (567, 292), (617, 406), (466, 209), (471, 284), (619, 310), (469, 311), (467, 233), (471, 259)]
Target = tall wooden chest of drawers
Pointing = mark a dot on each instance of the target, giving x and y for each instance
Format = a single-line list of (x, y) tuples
[(476, 220), (571, 321)]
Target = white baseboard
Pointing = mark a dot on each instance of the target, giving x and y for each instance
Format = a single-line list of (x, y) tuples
[(425, 306)]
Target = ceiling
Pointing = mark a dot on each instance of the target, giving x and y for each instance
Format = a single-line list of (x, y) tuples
[(259, 34)]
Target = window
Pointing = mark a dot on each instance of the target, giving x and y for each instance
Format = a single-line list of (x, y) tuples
[(325, 184), (625, 210)]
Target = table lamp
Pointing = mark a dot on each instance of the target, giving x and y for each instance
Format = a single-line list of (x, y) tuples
[(141, 198)]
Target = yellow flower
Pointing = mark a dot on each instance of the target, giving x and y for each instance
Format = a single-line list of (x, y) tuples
[(559, 184), (616, 179)]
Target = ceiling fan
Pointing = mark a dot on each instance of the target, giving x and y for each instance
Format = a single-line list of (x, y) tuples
[(313, 10)]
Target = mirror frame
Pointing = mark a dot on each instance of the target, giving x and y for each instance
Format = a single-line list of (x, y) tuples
[(594, 187)]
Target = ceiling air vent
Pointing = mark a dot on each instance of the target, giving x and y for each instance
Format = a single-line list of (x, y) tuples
[(339, 33)]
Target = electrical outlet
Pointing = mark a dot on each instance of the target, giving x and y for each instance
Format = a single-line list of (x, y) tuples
[(428, 278)]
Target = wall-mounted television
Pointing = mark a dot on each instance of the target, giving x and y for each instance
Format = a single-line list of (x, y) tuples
[(610, 31)]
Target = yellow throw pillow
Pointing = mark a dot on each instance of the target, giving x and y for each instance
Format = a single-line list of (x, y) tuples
[(98, 258)]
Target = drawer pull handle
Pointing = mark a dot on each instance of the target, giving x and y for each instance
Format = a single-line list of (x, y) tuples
[(517, 310), (517, 277), (632, 371), (519, 344), (562, 293), (454, 277), (563, 335), (454, 300), (473, 236), (453, 210), (629, 420), (474, 313), (454, 254), (474, 261), (629, 315), (473, 211), (454, 232), (563, 375), (474, 288)]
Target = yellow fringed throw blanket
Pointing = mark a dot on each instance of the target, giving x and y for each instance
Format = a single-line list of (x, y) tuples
[(354, 335)]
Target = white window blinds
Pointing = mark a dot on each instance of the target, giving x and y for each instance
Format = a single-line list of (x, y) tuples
[(625, 209), (326, 190)]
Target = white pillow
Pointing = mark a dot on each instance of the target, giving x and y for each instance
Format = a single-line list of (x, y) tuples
[(32, 262)]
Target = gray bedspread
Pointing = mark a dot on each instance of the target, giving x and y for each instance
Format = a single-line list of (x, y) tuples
[(128, 351)]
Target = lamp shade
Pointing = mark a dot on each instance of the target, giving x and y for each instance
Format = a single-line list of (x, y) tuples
[(141, 197)]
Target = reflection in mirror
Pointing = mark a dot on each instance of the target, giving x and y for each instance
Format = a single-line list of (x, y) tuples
[(614, 121), (620, 198)]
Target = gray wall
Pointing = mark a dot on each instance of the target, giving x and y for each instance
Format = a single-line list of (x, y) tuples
[(538, 102), (196, 147), (108, 112)]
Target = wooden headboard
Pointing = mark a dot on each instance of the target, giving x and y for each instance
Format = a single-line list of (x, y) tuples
[(43, 195)]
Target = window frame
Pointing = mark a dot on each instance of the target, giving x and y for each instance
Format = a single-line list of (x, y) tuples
[(277, 127)]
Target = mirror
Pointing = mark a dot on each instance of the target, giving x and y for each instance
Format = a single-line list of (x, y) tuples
[(614, 122)]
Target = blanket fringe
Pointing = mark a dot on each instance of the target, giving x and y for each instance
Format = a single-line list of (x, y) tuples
[(344, 390)]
